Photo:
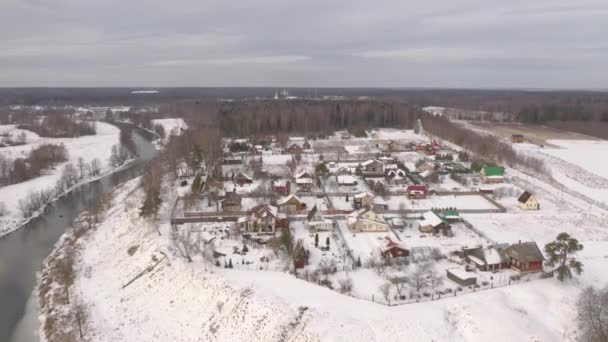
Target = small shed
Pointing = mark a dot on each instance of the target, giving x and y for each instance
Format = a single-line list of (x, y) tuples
[(461, 277)]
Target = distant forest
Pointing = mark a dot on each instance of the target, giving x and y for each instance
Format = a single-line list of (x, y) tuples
[(245, 118), (531, 106)]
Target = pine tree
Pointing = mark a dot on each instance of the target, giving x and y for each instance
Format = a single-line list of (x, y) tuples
[(217, 263), (245, 249), (317, 240), (230, 264), (560, 252), (327, 242), (358, 261), (196, 184)]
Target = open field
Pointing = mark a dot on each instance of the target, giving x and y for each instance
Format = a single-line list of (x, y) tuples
[(535, 134)]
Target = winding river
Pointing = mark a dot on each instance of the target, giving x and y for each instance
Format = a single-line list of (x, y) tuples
[(22, 252)]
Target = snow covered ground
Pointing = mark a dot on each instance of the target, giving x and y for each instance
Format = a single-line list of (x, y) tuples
[(88, 147), (194, 301), (172, 126), (181, 301)]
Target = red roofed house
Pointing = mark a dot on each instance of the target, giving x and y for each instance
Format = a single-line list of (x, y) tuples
[(417, 191), (394, 250)]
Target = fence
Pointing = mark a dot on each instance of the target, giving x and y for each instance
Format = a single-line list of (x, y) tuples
[(478, 232)]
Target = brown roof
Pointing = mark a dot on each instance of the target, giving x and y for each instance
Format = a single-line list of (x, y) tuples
[(523, 198), (525, 251), (312, 212)]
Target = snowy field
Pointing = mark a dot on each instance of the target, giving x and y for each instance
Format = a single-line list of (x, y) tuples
[(469, 202), (88, 147)]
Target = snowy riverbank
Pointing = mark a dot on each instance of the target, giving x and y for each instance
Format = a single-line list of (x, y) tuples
[(87, 147)]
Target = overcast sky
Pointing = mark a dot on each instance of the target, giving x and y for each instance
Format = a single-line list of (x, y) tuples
[(379, 43)]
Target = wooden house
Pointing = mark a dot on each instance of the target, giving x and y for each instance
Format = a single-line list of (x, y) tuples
[(492, 174), (527, 201), (290, 204), (231, 202), (242, 178), (294, 149), (525, 257), (487, 259), (517, 138), (346, 180), (363, 200), (372, 167), (393, 249), (317, 222), (304, 181), (366, 220), (264, 219), (433, 223), (281, 187)]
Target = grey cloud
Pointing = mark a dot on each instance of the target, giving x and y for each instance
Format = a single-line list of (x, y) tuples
[(394, 43)]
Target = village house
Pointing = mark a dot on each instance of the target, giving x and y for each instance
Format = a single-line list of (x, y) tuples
[(487, 259), (372, 167), (517, 138), (317, 222), (396, 222), (304, 181), (432, 223), (282, 187), (451, 215), (264, 219), (363, 200), (393, 249), (417, 191), (378, 187), (366, 220), (290, 204), (242, 178), (233, 160), (425, 166), (525, 257), (492, 174), (231, 202), (346, 180), (528, 201), (294, 149), (379, 205)]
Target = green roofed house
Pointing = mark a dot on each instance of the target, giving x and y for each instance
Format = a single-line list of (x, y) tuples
[(451, 215), (493, 174)]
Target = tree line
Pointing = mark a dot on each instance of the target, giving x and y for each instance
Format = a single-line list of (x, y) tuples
[(40, 158), (489, 148)]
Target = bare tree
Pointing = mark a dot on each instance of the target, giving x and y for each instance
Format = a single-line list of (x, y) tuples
[(65, 270), (434, 279), (418, 279), (81, 316), (82, 168), (185, 243), (399, 283), (593, 314), (95, 167), (327, 267), (385, 289), (346, 285)]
